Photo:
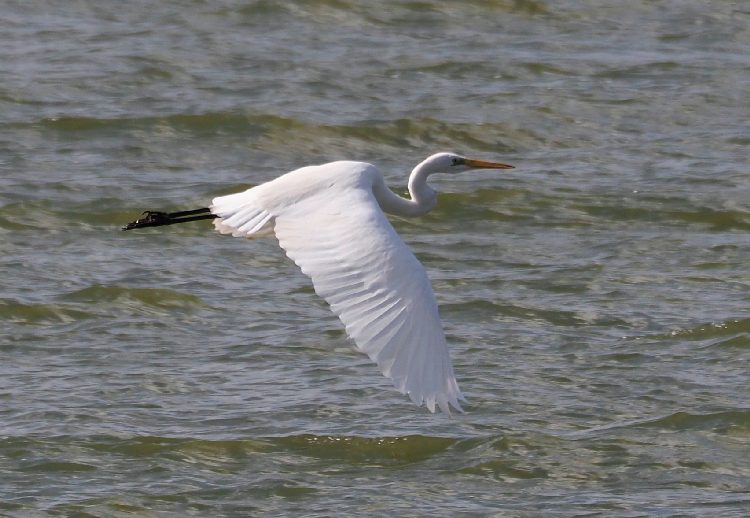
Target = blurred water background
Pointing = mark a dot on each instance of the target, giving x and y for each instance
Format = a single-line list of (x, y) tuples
[(595, 298)]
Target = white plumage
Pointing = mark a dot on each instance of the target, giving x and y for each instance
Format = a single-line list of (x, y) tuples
[(329, 219)]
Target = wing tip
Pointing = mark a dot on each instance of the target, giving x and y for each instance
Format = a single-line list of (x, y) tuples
[(443, 402)]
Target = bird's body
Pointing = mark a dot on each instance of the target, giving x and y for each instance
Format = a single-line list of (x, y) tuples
[(330, 221)]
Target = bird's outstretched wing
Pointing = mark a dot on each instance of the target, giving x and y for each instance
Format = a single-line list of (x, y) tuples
[(375, 285)]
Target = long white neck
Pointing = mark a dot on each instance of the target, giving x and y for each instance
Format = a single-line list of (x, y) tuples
[(423, 197)]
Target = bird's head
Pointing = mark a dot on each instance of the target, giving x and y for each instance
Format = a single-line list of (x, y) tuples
[(454, 163)]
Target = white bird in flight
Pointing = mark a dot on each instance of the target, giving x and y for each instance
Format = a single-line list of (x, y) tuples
[(329, 219)]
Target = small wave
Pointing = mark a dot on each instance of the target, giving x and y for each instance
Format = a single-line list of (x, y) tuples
[(485, 204), (208, 452), (719, 422), (546, 68), (277, 131), (375, 14), (664, 211), (733, 332), (485, 309), (505, 470), (102, 213), (151, 297), (150, 446), (57, 467), (640, 70), (49, 216), (407, 449), (13, 311), (27, 215), (734, 422), (417, 133), (210, 122)]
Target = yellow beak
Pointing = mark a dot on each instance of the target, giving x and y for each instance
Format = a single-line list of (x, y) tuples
[(482, 164)]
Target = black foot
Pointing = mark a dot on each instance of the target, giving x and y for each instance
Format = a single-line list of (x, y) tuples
[(150, 218)]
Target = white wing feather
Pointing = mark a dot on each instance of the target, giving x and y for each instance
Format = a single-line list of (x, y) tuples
[(369, 277)]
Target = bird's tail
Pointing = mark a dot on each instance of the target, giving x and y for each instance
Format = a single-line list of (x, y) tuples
[(152, 218)]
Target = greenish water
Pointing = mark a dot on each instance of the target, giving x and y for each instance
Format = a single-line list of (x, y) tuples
[(595, 298)]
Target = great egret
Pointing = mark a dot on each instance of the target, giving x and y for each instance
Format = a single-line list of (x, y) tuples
[(329, 219)]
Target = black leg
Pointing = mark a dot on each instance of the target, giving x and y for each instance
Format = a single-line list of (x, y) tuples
[(152, 218)]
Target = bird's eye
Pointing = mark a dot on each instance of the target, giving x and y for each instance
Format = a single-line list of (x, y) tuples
[(455, 160)]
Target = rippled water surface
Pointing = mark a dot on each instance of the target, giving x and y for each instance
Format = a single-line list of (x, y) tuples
[(595, 298)]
